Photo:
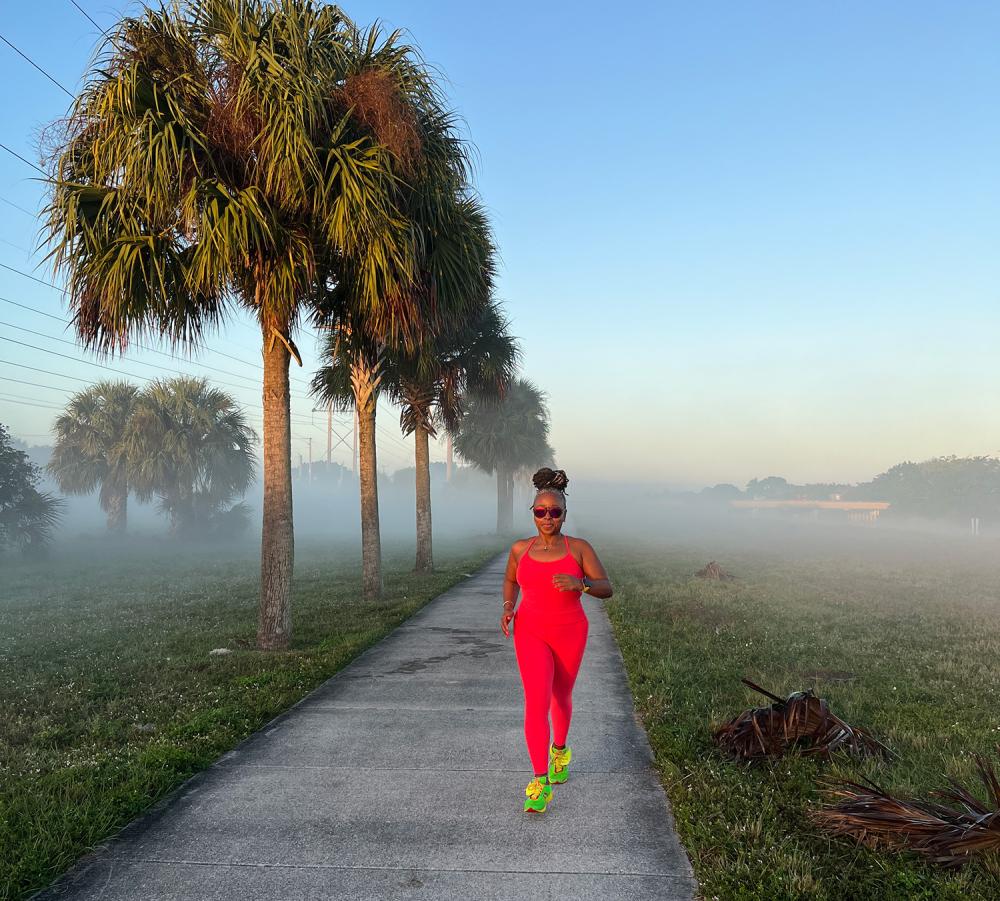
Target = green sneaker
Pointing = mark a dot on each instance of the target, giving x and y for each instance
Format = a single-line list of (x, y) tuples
[(558, 764), (539, 794)]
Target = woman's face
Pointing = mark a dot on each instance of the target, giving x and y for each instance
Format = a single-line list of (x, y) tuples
[(549, 501)]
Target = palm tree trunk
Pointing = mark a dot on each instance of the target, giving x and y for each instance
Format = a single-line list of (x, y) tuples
[(365, 383), (504, 520), (118, 512), (277, 549), (422, 457), (509, 500)]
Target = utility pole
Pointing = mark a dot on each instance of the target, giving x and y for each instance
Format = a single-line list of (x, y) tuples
[(309, 439), (447, 477)]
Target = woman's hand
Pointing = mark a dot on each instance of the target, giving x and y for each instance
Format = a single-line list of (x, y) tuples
[(508, 615), (566, 582)]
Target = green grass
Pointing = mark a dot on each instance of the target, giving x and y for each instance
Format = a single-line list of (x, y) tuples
[(109, 698), (908, 646)]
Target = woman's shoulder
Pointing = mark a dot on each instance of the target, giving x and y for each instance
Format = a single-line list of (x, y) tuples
[(520, 545), (578, 547)]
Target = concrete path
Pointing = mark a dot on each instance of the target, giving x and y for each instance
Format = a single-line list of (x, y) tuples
[(403, 777)]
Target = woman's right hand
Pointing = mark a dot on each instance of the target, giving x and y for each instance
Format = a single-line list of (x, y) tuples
[(505, 620)]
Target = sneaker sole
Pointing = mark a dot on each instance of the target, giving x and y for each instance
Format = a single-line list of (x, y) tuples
[(536, 810)]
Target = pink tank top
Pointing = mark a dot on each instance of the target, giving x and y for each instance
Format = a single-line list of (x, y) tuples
[(540, 599)]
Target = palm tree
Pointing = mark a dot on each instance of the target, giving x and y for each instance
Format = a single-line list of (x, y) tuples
[(351, 379), (455, 268), (239, 153), (91, 447), (479, 355), (505, 437), (193, 449)]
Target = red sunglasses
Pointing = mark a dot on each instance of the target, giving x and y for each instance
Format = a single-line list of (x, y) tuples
[(542, 512)]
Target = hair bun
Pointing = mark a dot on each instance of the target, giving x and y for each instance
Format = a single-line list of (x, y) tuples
[(550, 478)]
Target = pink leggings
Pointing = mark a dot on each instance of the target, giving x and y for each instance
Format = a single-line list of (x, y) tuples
[(548, 657)]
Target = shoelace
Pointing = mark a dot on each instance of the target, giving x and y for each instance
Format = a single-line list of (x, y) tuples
[(559, 759), (534, 789)]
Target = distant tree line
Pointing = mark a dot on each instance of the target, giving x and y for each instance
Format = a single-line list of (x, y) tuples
[(27, 515), (944, 487), (177, 441), (940, 488)]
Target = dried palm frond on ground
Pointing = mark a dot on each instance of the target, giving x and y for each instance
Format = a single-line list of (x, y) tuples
[(801, 721), (714, 571), (943, 834)]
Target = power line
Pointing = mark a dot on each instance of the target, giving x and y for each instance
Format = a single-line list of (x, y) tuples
[(25, 306), (204, 347), (4, 378), (34, 278), (16, 207), (87, 14), (87, 362), (21, 158), (141, 346), (385, 433), (15, 246), (61, 375), (40, 69), (27, 403), (144, 378), (139, 362), (403, 445)]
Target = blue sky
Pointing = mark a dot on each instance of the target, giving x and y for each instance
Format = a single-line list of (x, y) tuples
[(738, 239)]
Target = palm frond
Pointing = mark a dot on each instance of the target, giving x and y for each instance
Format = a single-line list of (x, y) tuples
[(944, 834), (802, 722)]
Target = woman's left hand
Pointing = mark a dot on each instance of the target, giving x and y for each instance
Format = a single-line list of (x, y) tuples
[(567, 582)]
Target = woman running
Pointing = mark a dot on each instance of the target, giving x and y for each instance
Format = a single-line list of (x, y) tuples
[(550, 629)]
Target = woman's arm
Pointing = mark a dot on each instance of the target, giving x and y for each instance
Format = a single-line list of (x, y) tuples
[(510, 587), (510, 591), (593, 572)]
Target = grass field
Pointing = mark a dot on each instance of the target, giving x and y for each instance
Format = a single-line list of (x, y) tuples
[(901, 634), (109, 698)]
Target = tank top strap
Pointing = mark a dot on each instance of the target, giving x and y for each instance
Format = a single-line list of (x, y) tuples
[(565, 539)]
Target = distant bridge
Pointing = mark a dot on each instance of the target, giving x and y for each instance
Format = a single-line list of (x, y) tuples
[(859, 511)]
